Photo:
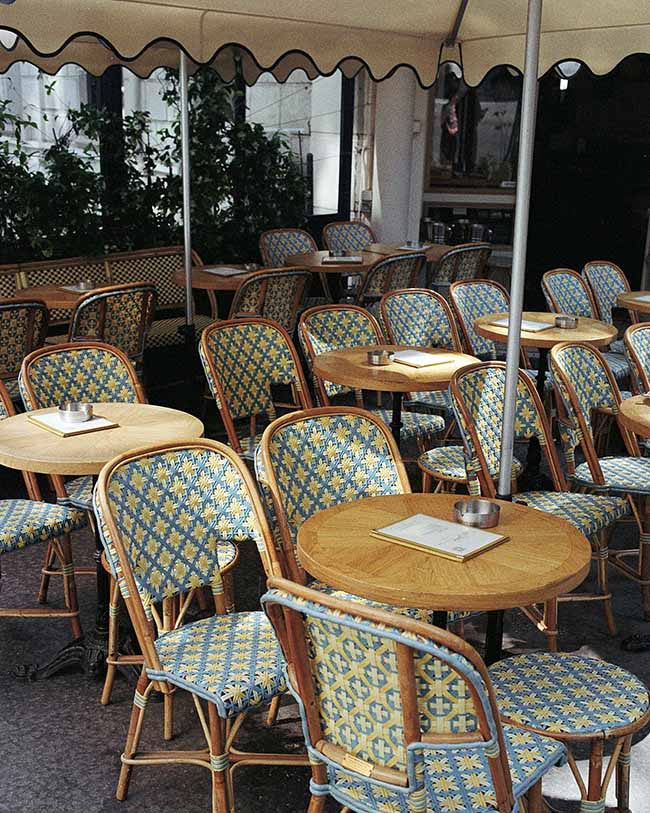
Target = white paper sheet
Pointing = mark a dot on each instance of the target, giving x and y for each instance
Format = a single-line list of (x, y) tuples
[(53, 420), (529, 325), (348, 258), (416, 358), (223, 270)]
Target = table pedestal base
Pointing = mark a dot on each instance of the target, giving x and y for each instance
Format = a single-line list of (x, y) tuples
[(87, 654), (396, 422)]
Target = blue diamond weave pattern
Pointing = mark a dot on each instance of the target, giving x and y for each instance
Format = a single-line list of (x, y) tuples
[(232, 660), (351, 236), (473, 300), (392, 274), (276, 246), (174, 510), (419, 319), (79, 493), (589, 513), (448, 462), (606, 282), (26, 522), (562, 693), (353, 664), (620, 473), (567, 293), (83, 374)]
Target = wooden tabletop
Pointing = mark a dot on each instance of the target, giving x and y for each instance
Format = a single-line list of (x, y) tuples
[(433, 251), (634, 414), (53, 295), (23, 445), (212, 282), (634, 301), (544, 556), (349, 366), (314, 262), (598, 334)]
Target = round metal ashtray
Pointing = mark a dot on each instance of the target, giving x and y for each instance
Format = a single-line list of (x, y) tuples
[(477, 513), (86, 285), (75, 412), (566, 322), (251, 267), (379, 358)]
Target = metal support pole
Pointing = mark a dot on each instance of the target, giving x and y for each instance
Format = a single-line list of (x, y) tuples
[(185, 175), (524, 172)]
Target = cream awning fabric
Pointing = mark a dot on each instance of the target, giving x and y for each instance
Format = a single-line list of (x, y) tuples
[(281, 35)]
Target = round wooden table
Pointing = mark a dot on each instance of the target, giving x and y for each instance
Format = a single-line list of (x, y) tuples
[(26, 446), (432, 251), (313, 261), (349, 366), (336, 547), (55, 296), (598, 334), (212, 284), (634, 301), (634, 414)]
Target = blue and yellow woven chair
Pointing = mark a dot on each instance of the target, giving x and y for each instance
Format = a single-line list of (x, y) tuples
[(333, 327), (398, 715), (206, 499), (586, 386), (275, 294), (478, 398), (463, 262), (388, 274), (606, 281), (420, 317), (244, 360), (348, 235), (29, 522), (320, 458), (567, 292), (637, 350), (277, 245), (119, 315), (577, 701), (23, 327)]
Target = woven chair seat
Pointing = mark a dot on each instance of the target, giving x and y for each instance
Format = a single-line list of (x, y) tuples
[(419, 430), (620, 473), (618, 347), (589, 513), (26, 522), (567, 694), (234, 661), (448, 462), (165, 333), (618, 364), (79, 493), (12, 388), (454, 778), (440, 399)]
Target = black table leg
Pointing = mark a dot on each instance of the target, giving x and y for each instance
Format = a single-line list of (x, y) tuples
[(87, 653), (532, 479), (494, 637), (440, 619), (396, 423)]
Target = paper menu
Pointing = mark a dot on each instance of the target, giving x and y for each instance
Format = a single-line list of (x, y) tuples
[(418, 247), (529, 325), (643, 298), (223, 270), (416, 358), (346, 258), (53, 423), (451, 540), (78, 288)]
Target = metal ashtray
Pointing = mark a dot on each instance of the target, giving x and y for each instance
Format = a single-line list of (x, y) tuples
[(75, 412), (85, 285), (251, 267), (477, 513), (566, 322), (379, 358)]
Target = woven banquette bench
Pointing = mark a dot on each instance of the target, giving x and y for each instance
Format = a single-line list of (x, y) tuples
[(156, 265)]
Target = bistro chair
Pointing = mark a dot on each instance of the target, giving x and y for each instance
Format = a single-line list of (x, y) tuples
[(275, 294), (320, 458), (637, 351), (399, 715), (478, 398), (606, 281), (334, 327), (576, 700), (277, 245), (119, 315), (230, 662), (567, 292), (244, 360), (28, 522), (388, 274), (23, 327), (587, 387), (466, 261), (348, 235)]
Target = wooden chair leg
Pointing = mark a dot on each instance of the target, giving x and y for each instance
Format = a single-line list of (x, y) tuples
[(426, 483), (623, 777), (317, 802), (113, 642), (140, 699), (229, 592), (594, 786), (64, 551), (48, 563), (218, 762), (168, 717), (602, 544), (644, 567), (535, 803), (550, 621), (274, 708)]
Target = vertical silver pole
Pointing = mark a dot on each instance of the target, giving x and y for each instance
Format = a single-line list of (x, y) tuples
[(524, 172), (185, 175)]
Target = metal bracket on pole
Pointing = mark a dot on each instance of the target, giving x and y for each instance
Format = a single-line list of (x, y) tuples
[(524, 172)]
